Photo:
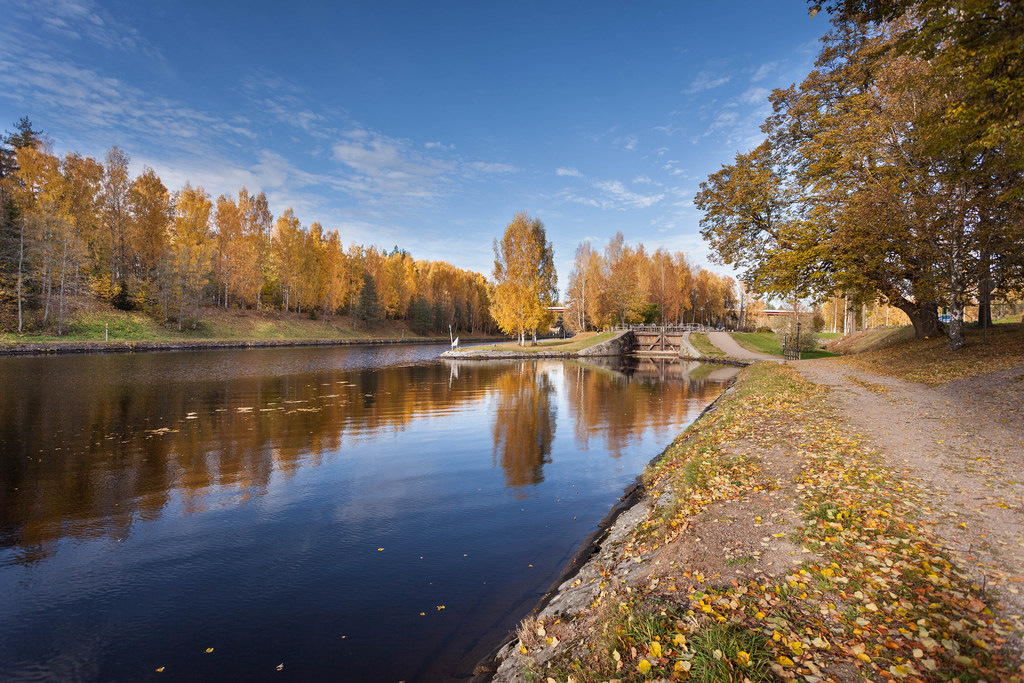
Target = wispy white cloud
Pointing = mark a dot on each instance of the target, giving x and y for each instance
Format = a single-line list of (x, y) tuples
[(74, 20), (764, 71), (626, 199), (706, 80), (389, 168), (755, 96), (628, 142), (570, 172), (611, 195), (668, 130), (486, 167), (91, 103)]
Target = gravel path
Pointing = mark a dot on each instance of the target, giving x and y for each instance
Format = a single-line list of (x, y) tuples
[(963, 442), (724, 341)]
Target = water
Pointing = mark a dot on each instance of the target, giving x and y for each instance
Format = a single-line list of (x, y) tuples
[(364, 514)]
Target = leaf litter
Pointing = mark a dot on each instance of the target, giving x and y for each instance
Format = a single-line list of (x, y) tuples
[(823, 560)]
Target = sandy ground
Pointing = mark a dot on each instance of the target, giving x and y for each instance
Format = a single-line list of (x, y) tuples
[(724, 341), (964, 443)]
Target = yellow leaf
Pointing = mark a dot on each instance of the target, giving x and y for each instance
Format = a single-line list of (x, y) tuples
[(863, 657), (655, 649), (683, 665), (644, 666), (785, 661), (209, 650), (379, 550), (743, 658), (160, 670)]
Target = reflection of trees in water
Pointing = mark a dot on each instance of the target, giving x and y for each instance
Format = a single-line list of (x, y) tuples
[(86, 456), (89, 462), (524, 424), (619, 406)]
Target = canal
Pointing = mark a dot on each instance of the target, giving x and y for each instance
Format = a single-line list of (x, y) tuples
[(348, 513)]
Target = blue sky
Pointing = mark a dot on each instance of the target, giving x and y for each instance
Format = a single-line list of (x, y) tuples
[(422, 124)]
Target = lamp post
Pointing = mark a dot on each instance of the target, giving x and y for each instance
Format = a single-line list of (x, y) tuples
[(798, 337)]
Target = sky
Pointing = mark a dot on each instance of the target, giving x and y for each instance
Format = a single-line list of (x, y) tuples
[(426, 125)]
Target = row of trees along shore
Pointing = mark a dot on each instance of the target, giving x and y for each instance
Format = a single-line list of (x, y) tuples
[(622, 284), (893, 170), (72, 226), (626, 284)]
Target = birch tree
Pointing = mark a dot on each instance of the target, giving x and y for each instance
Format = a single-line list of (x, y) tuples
[(524, 275)]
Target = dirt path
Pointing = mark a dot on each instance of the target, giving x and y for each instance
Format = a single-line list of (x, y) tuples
[(963, 442), (724, 341)]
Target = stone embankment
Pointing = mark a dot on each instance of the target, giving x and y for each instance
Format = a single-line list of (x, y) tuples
[(619, 345)]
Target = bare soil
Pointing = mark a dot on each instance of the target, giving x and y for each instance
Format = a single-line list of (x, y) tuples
[(964, 443)]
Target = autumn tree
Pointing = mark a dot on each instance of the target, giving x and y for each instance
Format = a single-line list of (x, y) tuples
[(368, 307), (227, 222), (524, 275), (871, 181), (254, 265), (12, 224), (151, 210), (191, 249), (115, 214), (583, 286)]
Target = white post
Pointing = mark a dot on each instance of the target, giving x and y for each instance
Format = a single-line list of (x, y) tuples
[(106, 331)]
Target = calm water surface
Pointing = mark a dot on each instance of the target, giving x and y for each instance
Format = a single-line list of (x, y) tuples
[(363, 514)]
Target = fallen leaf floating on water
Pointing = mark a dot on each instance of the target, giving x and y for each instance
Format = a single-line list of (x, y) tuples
[(380, 550), (209, 650), (160, 670), (280, 666), (440, 607)]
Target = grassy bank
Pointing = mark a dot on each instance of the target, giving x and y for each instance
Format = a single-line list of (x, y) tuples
[(930, 361), (571, 345), (767, 342), (777, 546), (95, 323), (703, 346)]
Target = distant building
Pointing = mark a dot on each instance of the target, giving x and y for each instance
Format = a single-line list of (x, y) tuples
[(769, 316)]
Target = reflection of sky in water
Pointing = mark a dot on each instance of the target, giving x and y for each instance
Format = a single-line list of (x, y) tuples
[(154, 505)]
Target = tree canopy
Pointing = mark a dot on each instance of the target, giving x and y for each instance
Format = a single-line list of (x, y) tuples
[(870, 181), (525, 283)]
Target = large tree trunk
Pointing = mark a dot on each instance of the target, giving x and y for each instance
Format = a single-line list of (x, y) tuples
[(957, 294), (924, 316)]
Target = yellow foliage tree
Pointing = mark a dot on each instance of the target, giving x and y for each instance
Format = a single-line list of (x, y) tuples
[(524, 275)]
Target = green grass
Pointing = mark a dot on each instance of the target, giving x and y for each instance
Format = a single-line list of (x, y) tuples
[(95, 325), (704, 346), (564, 345), (759, 342), (767, 342)]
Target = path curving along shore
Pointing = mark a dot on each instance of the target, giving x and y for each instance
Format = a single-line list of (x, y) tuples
[(725, 342)]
